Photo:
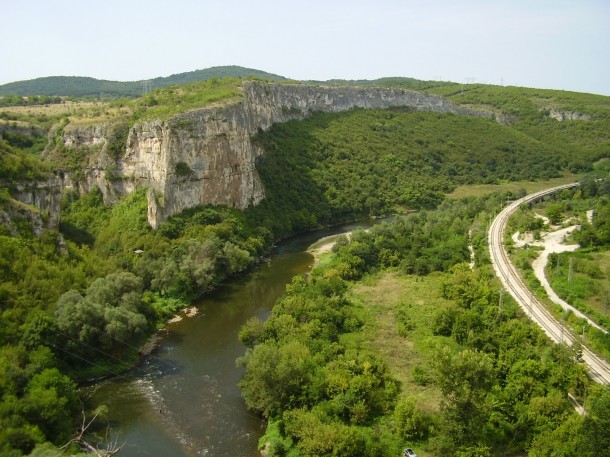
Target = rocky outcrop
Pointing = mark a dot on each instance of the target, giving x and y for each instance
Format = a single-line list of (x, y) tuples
[(568, 115), (45, 196), (89, 135), (40, 201), (206, 156)]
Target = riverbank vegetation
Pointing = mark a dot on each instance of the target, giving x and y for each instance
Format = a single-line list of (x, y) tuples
[(76, 304), (372, 353)]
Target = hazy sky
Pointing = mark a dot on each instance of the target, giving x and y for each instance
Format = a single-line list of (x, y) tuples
[(557, 44)]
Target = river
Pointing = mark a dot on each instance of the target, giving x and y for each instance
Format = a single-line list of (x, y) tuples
[(183, 399)]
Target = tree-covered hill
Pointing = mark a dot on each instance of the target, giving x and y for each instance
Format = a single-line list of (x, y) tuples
[(78, 86), (575, 124), (369, 162), (231, 71)]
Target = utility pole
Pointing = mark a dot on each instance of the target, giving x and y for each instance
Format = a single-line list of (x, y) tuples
[(571, 272), (564, 315)]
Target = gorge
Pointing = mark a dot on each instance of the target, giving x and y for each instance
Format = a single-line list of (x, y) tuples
[(224, 169), (206, 155)]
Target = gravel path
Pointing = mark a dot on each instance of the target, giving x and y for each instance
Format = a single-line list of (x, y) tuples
[(552, 242)]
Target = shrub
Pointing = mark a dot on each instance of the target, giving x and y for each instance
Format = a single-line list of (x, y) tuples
[(4, 195), (117, 139), (182, 169)]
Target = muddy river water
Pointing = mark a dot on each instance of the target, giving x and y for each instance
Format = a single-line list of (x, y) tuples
[(183, 399)]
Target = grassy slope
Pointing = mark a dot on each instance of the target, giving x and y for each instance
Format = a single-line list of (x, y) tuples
[(591, 279), (382, 295)]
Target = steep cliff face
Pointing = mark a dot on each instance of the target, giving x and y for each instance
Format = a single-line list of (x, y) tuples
[(35, 203), (200, 157), (46, 197), (206, 156)]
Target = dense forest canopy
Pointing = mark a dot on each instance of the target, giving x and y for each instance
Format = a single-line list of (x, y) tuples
[(371, 162), (69, 300)]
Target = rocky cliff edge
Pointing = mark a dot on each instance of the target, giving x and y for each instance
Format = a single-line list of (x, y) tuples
[(206, 156)]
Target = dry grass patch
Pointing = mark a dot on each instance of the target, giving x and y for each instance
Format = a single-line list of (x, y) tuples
[(52, 110), (478, 190), (396, 303), (80, 112)]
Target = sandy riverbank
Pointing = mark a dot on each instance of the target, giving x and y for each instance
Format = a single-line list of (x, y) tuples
[(324, 245), (153, 342)]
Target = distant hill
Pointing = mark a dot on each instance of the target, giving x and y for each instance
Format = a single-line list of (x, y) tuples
[(79, 86)]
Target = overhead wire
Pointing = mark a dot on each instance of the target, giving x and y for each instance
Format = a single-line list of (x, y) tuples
[(106, 354), (158, 359), (140, 369), (85, 360), (120, 376)]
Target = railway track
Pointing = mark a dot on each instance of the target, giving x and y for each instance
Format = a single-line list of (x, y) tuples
[(599, 369)]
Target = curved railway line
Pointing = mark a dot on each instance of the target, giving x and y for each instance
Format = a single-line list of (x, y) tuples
[(599, 369)]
